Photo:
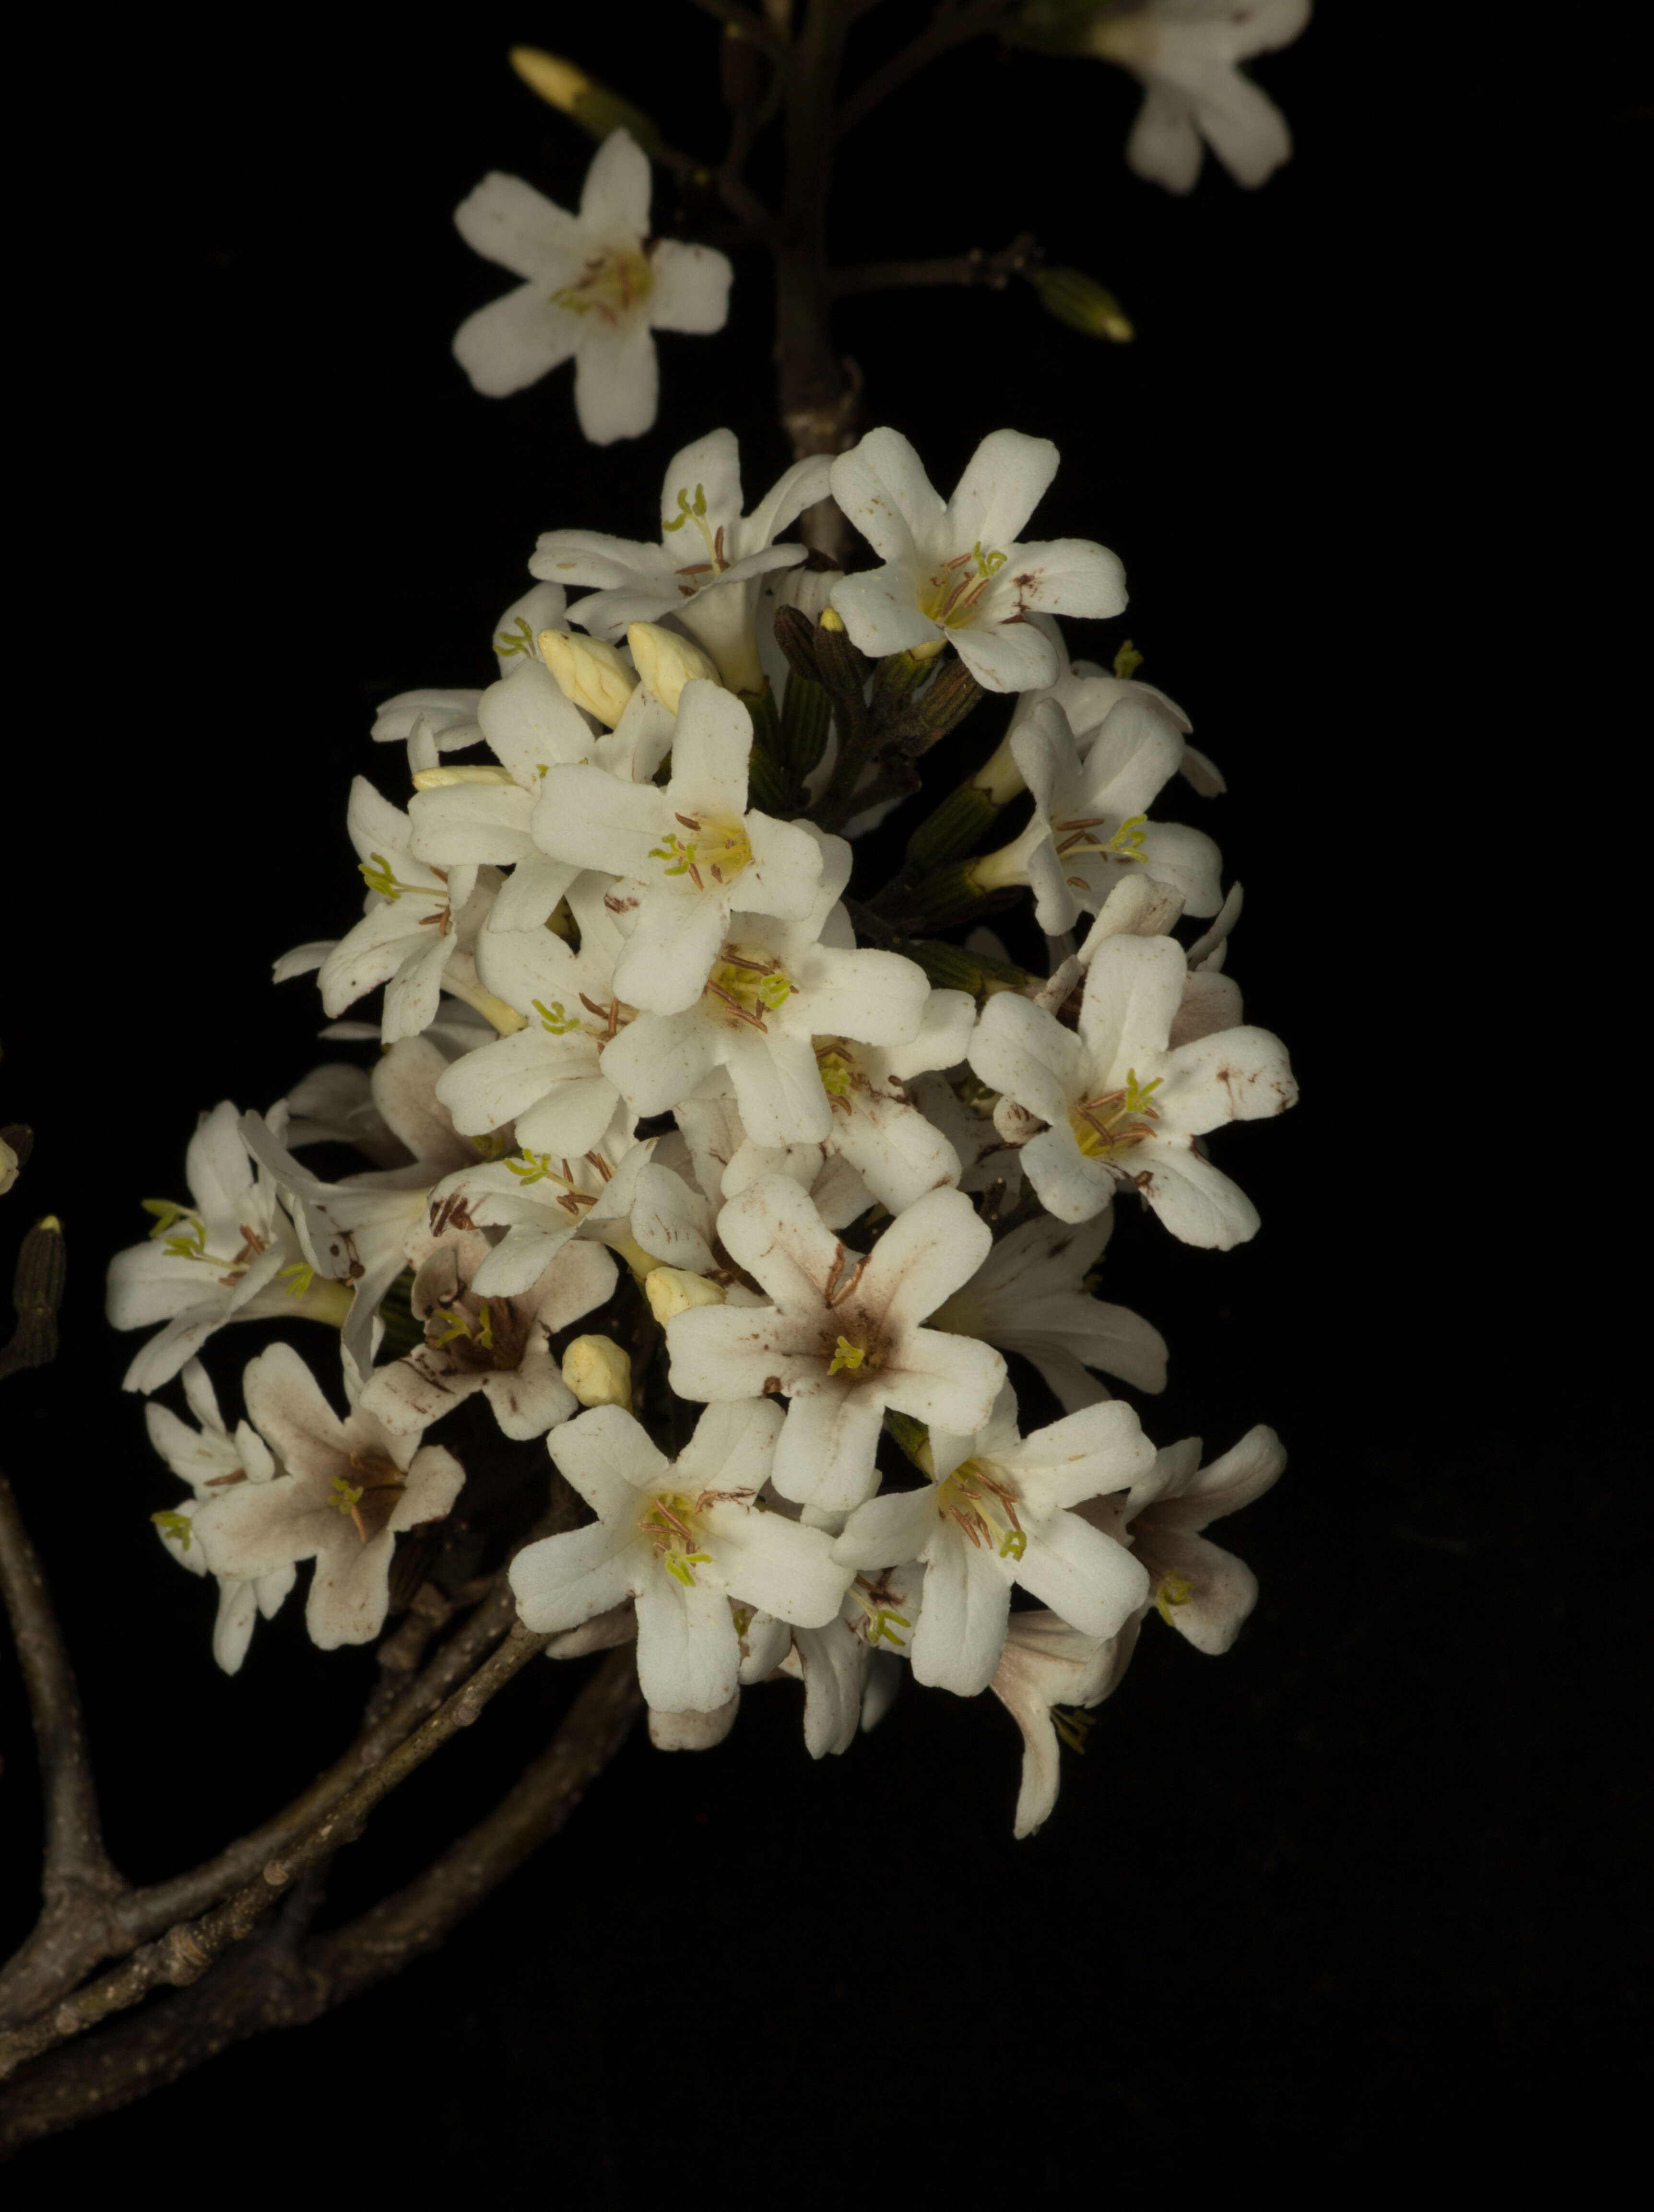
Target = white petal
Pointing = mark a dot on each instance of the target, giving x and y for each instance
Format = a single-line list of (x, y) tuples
[(515, 340), (882, 488), (617, 380), (691, 288)]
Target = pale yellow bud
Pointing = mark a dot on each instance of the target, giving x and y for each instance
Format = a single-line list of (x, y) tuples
[(439, 779), (667, 662), (672, 1290), (598, 1372), (557, 82), (593, 675), (9, 1165)]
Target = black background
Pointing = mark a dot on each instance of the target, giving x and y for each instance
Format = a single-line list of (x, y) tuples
[(1363, 1889)]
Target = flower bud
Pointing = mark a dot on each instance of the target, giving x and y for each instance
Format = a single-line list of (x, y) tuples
[(1084, 304), (596, 109), (672, 1290), (10, 1164), (806, 588), (593, 675), (598, 1372), (667, 662)]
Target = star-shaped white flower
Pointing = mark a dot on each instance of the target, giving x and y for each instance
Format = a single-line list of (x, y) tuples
[(1200, 1590), (1089, 826), (212, 1459), (843, 1339), (708, 566), (596, 286), (351, 1487), (232, 1254), (998, 1511), (1029, 1296), (1186, 54), (775, 989), (501, 1346), (1124, 1105), (682, 1538), (687, 854), (954, 572)]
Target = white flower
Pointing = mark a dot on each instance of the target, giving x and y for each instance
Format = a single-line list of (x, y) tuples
[(546, 1077), (541, 1202), (1088, 695), (682, 1538), (773, 988), (499, 1346), (596, 287), (1090, 826), (212, 1459), (233, 1254), (416, 918), (1202, 1591), (839, 1665), (896, 1150), (843, 1338), (708, 566), (1185, 52), (997, 1512), (1029, 1296), (351, 1488), (1047, 1666), (1124, 1107), (954, 572), (687, 853)]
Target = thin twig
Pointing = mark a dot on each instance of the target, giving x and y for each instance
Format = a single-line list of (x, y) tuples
[(951, 29), (186, 1951), (268, 1984), (75, 1858), (975, 268)]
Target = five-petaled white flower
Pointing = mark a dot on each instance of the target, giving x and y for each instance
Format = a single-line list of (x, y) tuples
[(998, 1511), (682, 1538), (596, 286), (687, 854), (708, 566), (843, 1339), (1186, 53), (351, 1488), (954, 573), (1124, 1108), (1200, 1590)]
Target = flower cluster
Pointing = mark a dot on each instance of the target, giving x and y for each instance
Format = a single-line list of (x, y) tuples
[(775, 1214)]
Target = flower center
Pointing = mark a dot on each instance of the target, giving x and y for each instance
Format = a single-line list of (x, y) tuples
[(482, 1334), (1074, 838), (742, 990), (949, 594), (1108, 1125), (852, 1357), (673, 1532), (710, 851), (612, 281), (985, 1506), (370, 1499)]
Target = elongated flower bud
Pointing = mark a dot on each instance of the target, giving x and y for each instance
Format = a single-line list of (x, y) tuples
[(596, 109), (672, 1290), (667, 662), (593, 675), (1085, 305)]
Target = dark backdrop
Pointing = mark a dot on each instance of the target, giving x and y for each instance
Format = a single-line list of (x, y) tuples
[(1364, 1885)]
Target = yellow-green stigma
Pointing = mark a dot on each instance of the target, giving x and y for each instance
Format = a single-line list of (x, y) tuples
[(839, 1072), (694, 510), (611, 282), (746, 989), (1105, 1126), (880, 1624), (379, 876), (850, 1358), (1074, 837), (715, 851), (670, 1526), (1169, 1590), (175, 1527), (950, 593), (985, 1507)]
